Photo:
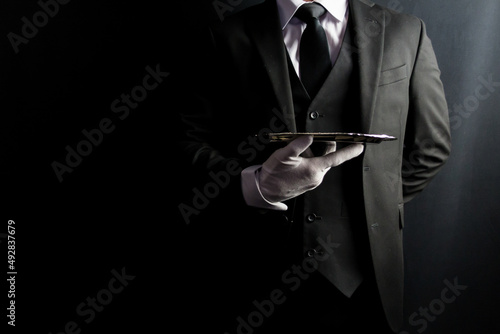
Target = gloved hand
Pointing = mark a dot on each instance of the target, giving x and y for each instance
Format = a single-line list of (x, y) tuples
[(292, 170)]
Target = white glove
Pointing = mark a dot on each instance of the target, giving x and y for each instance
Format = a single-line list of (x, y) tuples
[(286, 174)]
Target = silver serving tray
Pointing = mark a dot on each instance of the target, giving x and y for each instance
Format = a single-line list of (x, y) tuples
[(347, 137)]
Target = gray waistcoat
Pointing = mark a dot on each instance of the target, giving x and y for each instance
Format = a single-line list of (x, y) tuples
[(329, 219)]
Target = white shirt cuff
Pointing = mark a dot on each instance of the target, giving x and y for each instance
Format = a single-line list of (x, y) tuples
[(251, 190)]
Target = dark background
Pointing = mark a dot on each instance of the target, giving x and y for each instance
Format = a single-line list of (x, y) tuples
[(114, 210)]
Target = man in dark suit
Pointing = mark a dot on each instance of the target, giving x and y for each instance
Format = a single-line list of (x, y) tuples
[(309, 235)]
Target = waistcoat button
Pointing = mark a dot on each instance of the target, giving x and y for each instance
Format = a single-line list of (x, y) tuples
[(313, 115)]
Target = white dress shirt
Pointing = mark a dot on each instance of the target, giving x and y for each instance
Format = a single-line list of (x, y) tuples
[(334, 22)]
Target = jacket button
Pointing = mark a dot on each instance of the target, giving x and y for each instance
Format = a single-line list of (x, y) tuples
[(313, 115), (310, 218), (311, 252)]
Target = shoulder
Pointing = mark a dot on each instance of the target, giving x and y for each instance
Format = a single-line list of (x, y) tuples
[(235, 18), (238, 27), (397, 26), (395, 19)]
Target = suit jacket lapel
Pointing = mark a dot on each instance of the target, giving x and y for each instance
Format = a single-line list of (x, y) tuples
[(265, 31), (369, 27)]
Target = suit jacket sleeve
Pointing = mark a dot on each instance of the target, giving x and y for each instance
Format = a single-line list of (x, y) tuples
[(427, 138)]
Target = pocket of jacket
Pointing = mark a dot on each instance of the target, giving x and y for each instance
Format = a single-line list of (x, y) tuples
[(393, 75)]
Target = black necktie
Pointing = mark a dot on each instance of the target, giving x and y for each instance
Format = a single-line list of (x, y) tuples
[(315, 62)]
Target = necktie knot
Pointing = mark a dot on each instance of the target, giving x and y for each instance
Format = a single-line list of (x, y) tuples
[(308, 12)]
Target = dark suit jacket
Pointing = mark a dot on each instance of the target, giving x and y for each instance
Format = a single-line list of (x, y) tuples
[(248, 93)]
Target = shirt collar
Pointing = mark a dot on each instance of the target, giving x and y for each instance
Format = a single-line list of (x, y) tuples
[(287, 8)]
